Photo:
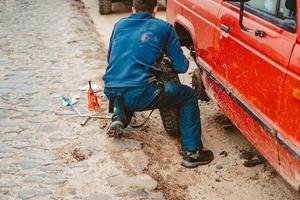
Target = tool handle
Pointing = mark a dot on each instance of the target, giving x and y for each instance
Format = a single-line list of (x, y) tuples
[(85, 121), (69, 102)]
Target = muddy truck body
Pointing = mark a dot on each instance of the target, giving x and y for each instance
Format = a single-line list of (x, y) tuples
[(248, 58)]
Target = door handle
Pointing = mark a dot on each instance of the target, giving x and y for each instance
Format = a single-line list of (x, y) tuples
[(225, 28)]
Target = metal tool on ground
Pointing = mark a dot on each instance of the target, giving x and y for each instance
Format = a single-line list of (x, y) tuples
[(89, 115), (92, 98), (85, 121)]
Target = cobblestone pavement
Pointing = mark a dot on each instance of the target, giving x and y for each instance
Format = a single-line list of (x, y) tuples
[(48, 48)]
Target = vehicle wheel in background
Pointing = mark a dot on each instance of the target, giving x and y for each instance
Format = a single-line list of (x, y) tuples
[(198, 85), (104, 7)]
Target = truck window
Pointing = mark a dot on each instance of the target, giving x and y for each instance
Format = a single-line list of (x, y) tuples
[(279, 12), (287, 12), (264, 6)]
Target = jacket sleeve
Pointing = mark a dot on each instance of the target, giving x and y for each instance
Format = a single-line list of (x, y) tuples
[(110, 44), (175, 53)]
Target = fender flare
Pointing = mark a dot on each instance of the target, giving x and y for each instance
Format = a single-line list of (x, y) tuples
[(184, 22)]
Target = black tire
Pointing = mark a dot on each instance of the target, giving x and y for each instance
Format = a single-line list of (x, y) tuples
[(104, 7), (170, 120), (169, 116), (198, 85)]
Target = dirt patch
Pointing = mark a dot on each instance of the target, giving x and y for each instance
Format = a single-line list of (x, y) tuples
[(71, 152), (77, 155), (79, 4), (165, 157), (73, 156)]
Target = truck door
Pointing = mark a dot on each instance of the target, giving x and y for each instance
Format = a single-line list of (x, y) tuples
[(254, 66), (289, 134)]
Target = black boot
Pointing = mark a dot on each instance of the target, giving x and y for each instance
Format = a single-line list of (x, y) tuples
[(116, 127), (196, 158)]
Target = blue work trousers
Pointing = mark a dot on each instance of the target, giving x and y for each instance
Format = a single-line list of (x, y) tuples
[(145, 98)]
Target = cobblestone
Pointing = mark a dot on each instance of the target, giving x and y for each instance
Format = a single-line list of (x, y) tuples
[(51, 168), (8, 123), (23, 145), (12, 130), (10, 184), (98, 196), (138, 160), (157, 196), (4, 148), (30, 193), (123, 144), (30, 164), (7, 107), (78, 165), (136, 182), (44, 180), (3, 115), (41, 155)]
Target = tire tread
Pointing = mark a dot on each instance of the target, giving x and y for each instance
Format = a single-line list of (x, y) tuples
[(104, 7)]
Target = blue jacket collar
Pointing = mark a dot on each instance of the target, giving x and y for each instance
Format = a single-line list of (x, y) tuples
[(140, 15)]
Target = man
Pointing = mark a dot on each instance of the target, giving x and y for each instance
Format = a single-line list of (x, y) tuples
[(135, 45)]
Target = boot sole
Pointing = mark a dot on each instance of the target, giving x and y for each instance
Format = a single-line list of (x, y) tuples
[(188, 164), (115, 131)]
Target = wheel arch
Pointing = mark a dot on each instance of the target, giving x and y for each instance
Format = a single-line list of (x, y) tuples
[(185, 32)]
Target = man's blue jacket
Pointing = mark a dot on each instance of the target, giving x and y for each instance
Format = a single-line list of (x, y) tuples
[(135, 44)]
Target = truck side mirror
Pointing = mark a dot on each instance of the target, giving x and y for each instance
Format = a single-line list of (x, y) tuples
[(257, 33)]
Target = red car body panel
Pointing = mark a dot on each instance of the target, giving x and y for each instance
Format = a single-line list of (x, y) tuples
[(289, 132), (254, 80), (199, 18)]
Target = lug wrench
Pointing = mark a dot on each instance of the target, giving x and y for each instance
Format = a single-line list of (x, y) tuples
[(88, 115), (85, 121)]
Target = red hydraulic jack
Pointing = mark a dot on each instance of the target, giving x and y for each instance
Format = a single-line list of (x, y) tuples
[(92, 105), (92, 98)]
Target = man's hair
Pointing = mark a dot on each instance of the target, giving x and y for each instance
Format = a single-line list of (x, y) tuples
[(144, 5)]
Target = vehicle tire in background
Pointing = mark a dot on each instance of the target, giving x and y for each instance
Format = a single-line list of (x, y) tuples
[(169, 116), (104, 7), (198, 85)]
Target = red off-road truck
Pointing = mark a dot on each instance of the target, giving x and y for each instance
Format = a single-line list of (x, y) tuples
[(248, 57)]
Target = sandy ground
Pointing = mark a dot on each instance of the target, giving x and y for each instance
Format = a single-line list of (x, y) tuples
[(226, 177)]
